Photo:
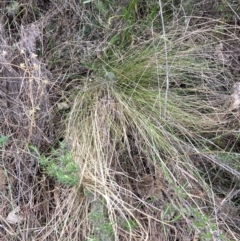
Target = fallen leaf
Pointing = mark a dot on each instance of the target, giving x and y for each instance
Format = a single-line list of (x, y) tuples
[(63, 106), (14, 217)]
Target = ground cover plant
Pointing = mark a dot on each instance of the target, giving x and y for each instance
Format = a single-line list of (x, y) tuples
[(119, 120)]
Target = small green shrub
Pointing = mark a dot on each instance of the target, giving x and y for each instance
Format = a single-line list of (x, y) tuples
[(60, 165), (102, 227), (3, 140)]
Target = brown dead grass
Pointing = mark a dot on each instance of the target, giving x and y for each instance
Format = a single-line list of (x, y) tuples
[(30, 88)]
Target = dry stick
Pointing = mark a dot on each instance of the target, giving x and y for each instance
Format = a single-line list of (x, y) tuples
[(166, 56)]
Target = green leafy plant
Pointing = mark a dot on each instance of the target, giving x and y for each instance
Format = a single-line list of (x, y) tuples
[(60, 165), (129, 225), (3, 140), (102, 227), (207, 230)]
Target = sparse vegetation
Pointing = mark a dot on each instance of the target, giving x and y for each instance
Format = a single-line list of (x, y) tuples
[(119, 120)]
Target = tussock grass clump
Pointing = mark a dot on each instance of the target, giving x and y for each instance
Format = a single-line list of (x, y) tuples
[(150, 147), (137, 143)]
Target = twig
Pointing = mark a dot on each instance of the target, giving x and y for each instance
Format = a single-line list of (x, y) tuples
[(166, 55)]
